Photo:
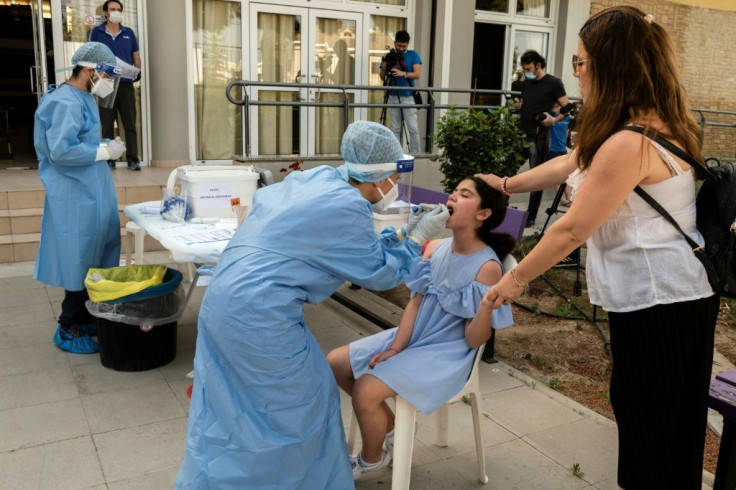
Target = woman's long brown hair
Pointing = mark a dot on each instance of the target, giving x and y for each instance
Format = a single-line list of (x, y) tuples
[(633, 69)]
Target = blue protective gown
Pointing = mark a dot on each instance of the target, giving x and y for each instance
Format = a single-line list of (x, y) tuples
[(80, 227), (265, 408)]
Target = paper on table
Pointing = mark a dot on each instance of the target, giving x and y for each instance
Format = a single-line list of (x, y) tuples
[(127, 70), (205, 236)]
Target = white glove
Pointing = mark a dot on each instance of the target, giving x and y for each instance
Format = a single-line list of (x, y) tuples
[(417, 213), (430, 225), (116, 148)]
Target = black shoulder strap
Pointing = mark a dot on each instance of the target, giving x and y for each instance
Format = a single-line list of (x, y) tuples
[(674, 149), (653, 203)]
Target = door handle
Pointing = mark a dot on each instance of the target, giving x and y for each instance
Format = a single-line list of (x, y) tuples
[(34, 87)]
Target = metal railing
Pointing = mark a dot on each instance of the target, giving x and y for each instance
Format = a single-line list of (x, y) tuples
[(429, 97), (705, 117)]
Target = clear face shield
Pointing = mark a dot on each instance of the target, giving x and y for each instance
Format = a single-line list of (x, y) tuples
[(395, 212), (104, 83)]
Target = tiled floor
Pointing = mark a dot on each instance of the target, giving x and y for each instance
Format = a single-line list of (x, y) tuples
[(68, 422)]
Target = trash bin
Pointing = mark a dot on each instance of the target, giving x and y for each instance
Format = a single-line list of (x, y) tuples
[(138, 332)]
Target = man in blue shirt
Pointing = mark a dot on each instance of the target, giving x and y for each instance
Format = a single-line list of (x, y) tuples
[(122, 42), (404, 68)]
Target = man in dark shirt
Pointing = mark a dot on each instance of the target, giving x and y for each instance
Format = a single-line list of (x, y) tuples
[(122, 42), (538, 96)]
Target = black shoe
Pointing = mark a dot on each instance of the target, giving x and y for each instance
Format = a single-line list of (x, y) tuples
[(111, 163), (529, 223), (133, 164)]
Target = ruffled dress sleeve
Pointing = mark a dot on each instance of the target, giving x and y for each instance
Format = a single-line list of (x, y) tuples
[(420, 278)]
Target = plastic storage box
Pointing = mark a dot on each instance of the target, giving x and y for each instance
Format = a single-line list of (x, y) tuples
[(214, 190)]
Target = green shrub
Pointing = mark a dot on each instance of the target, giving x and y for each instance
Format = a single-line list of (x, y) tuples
[(478, 141)]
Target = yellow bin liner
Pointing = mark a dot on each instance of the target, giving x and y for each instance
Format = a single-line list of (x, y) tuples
[(116, 282)]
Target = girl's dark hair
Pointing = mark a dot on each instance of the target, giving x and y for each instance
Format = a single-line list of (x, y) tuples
[(633, 68), (501, 243)]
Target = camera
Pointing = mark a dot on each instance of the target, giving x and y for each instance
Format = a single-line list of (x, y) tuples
[(393, 59), (568, 108)]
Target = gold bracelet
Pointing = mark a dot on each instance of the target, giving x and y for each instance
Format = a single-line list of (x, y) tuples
[(516, 281)]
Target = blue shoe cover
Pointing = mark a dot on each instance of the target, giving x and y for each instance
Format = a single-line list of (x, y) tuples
[(90, 329), (75, 340)]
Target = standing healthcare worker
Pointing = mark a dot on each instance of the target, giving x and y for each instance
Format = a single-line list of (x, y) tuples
[(265, 409), (80, 226)]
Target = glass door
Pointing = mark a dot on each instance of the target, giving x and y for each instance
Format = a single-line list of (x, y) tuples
[(276, 55), (217, 33), (72, 21), (334, 46), (42, 50)]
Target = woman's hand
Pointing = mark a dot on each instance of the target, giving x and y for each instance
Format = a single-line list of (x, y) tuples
[(505, 291), (492, 180), (381, 357)]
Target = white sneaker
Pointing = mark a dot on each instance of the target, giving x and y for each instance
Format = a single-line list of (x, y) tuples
[(360, 467), (388, 442)]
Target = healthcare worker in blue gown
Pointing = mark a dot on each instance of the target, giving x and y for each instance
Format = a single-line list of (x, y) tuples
[(265, 409), (80, 227)]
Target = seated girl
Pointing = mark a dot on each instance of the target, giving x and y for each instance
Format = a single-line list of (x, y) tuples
[(428, 358)]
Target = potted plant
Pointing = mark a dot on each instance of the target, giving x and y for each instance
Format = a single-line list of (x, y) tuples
[(475, 141)]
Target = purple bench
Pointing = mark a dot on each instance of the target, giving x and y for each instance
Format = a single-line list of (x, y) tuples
[(513, 224), (722, 398)]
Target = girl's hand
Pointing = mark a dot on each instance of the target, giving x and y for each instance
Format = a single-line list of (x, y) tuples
[(381, 357), (502, 293)]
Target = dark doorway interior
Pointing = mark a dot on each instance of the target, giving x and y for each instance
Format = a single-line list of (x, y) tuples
[(489, 46), (17, 100)]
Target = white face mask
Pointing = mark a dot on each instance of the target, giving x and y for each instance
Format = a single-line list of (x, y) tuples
[(387, 199), (102, 87), (115, 16)]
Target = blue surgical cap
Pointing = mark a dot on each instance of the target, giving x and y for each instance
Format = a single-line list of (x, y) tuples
[(368, 143), (94, 52)]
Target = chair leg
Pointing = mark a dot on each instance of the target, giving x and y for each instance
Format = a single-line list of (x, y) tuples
[(351, 433), (441, 420), (128, 246), (475, 407), (140, 235), (403, 444)]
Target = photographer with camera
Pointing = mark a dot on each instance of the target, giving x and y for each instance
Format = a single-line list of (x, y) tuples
[(539, 94), (399, 68)]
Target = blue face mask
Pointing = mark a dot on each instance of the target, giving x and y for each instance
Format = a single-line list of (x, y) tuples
[(530, 75)]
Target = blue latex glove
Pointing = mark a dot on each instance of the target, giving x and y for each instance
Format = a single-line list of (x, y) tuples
[(430, 225)]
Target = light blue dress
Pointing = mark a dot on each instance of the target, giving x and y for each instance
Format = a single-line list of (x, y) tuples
[(80, 227), (265, 408), (437, 363)]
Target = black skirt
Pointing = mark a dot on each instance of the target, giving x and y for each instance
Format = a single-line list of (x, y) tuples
[(662, 358)]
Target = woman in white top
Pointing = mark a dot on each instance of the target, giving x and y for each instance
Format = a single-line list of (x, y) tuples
[(662, 311)]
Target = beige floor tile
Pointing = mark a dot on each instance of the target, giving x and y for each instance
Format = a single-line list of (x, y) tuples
[(12, 283), (155, 480), (180, 391), (141, 450), (25, 251), (23, 297), (540, 411), (25, 334), (70, 464), (42, 424), (32, 358), (177, 369), (22, 390), (131, 408), (94, 378), (10, 315), (5, 226), (6, 252), (586, 442), (495, 377)]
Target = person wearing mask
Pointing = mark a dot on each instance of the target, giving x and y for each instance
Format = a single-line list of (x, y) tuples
[(539, 94), (403, 69), (265, 408), (661, 308), (80, 227), (123, 43)]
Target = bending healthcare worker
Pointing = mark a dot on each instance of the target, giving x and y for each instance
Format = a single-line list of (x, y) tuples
[(265, 409), (80, 227)]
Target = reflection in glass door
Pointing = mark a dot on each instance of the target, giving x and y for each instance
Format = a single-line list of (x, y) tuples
[(72, 22), (218, 53), (42, 41), (334, 44), (382, 32), (523, 41)]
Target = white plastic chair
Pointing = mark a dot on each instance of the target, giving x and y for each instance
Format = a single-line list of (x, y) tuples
[(405, 418)]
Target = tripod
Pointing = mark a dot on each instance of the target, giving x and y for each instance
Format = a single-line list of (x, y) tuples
[(575, 255), (403, 131)]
